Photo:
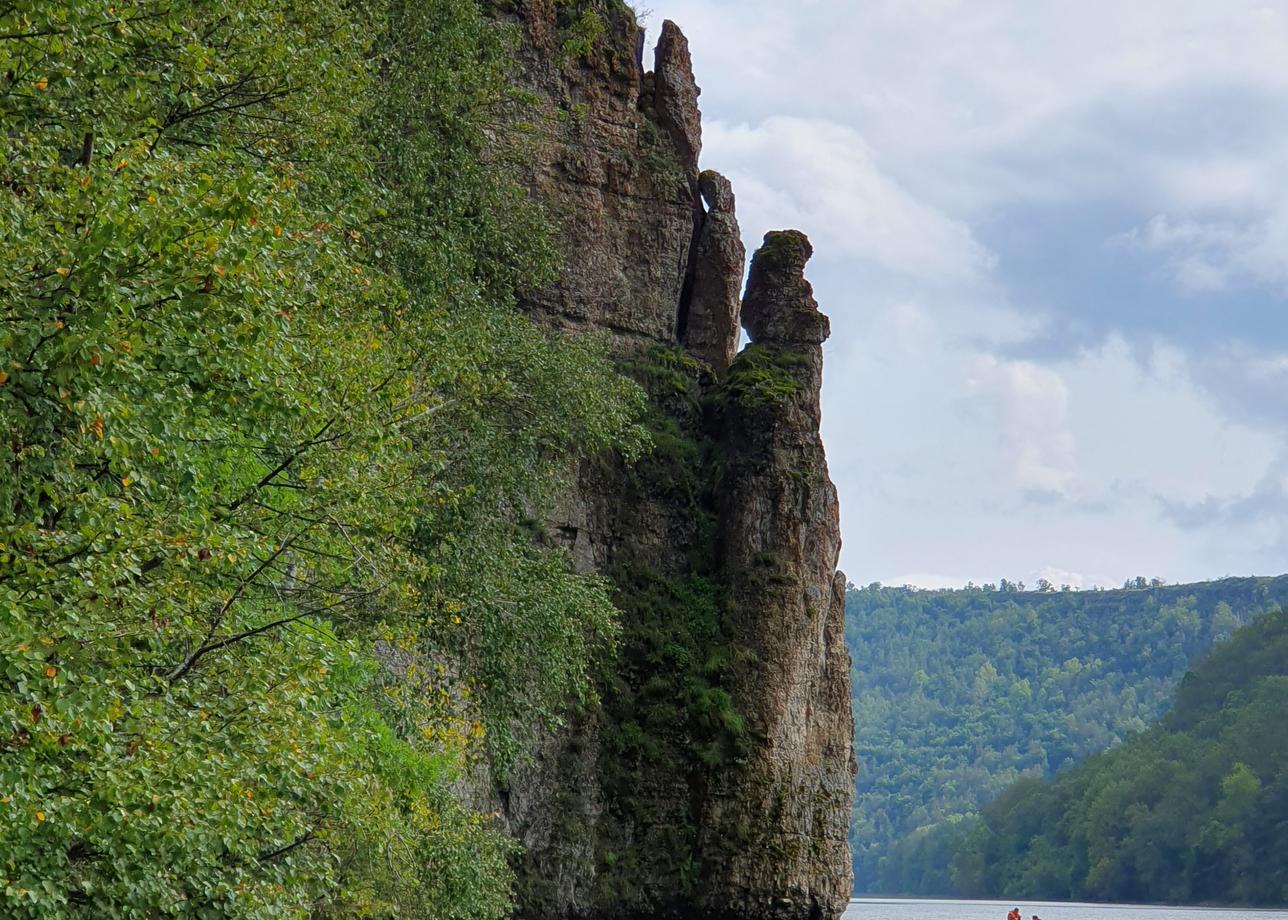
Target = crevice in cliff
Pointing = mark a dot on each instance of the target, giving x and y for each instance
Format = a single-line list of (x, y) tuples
[(690, 276), (711, 327)]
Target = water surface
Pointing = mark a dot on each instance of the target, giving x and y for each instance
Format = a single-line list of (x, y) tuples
[(937, 909)]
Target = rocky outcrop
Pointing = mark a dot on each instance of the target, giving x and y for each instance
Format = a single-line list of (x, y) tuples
[(620, 181), (709, 325), (713, 777), (787, 805), (675, 96)]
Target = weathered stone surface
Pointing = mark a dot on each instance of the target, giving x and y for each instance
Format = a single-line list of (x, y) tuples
[(608, 176), (675, 95), (554, 807), (779, 308), (709, 324), (737, 498), (788, 805)]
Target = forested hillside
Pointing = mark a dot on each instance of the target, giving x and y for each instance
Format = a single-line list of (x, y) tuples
[(958, 693), (1193, 810), (269, 416)]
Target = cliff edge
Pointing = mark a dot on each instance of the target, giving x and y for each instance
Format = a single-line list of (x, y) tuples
[(714, 776)]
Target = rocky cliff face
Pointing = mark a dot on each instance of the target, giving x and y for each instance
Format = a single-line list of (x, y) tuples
[(788, 806), (714, 778)]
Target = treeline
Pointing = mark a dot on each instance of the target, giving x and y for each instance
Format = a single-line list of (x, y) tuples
[(959, 693), (273, 438), (1194, 810)]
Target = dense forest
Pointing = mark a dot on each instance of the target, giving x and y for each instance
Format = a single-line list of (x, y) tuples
[(959, 693), (270, 418), (1193, 810)]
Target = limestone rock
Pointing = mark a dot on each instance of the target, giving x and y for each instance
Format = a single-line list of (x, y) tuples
[(608, 176), (675, 95), (734, 507), (779, 307), (788, 805), (709, 326)]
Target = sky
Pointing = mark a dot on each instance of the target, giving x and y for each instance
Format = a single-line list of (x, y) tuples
[(1052, 238)]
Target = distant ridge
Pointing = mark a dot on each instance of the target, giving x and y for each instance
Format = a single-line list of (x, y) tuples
[(958, 692), (1194, 811)]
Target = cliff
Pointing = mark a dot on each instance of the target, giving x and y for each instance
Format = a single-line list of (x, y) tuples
[(714, 775)]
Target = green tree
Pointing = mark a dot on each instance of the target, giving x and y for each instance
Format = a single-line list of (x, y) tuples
[(271, 419), (1184, 812), (959, 693)]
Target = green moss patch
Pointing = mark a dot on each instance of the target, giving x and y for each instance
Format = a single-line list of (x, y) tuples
[(761, 377)]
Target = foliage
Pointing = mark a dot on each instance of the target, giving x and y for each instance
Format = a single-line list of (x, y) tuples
[(1194, 810), (760, 377), (581, 25), (270, 414), (958, 693), (515, 407), (666, 712)]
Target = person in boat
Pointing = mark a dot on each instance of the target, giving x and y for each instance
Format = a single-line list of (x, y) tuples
[(1015, 914)]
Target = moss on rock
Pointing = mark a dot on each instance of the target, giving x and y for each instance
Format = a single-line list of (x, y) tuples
[(761, 376)]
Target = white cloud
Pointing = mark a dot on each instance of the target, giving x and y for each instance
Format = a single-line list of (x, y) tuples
[(823, 178), (929, 580), (948, 159), (1248, 381), (958, 462), (1220, 183), (1030, 404), (975, 103), (1060, 577), (1206, 256), (1146, 423)]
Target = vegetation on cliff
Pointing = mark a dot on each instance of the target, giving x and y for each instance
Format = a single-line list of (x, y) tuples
[(270, 418), (959, 693), (1193, 810), (667, 713)]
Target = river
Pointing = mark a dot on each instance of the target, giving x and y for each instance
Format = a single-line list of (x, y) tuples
[(934, 909)]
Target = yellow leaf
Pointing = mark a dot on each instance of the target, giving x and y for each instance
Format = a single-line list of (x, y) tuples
[(63, 271), (42, 84), (40, 816)]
